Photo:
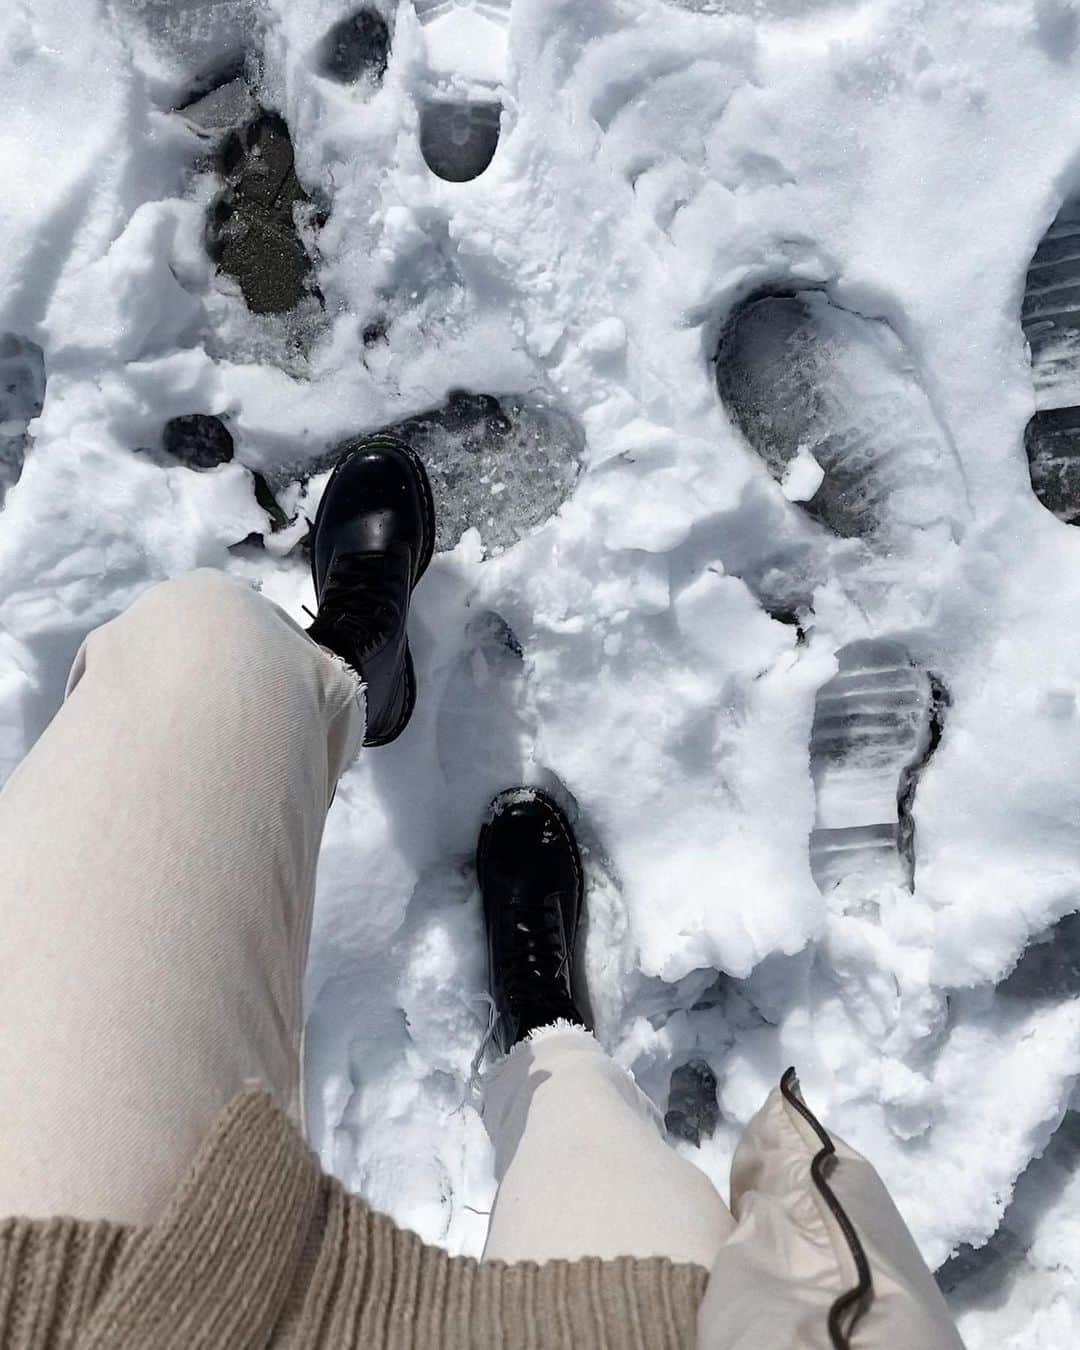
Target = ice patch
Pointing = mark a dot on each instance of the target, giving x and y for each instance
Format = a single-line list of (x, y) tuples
[(497, 464)]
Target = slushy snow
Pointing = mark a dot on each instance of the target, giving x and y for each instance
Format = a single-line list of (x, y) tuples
[(654, 649)]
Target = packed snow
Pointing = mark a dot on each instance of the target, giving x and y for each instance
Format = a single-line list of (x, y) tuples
[(634, 606)]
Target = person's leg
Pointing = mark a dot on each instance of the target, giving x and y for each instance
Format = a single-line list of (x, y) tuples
[(580, 1155), (583, 1166), (159, 846)]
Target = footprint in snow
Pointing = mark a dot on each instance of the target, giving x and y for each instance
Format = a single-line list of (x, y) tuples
[(1051, 321), (461, 109), (876, 724), (355, 48), (831, 403), (483, 731), (500, 464)]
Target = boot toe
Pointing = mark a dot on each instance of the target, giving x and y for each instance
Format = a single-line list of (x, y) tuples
[(528, 847), (378, 498)]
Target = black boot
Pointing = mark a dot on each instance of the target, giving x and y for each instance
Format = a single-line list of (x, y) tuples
[(530, 876), (372, 540)]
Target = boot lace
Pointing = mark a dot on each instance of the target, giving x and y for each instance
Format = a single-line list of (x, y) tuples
[(357, 604), (536, 955)]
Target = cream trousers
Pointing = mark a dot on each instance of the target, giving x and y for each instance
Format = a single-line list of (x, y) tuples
[(157, 853)]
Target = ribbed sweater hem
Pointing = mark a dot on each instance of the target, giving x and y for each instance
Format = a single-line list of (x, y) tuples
[(259, 1249)]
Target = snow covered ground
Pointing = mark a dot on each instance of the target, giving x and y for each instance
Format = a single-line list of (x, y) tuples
[(678, 614)]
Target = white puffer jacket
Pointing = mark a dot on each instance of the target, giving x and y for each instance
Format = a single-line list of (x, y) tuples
[(820, 1258)]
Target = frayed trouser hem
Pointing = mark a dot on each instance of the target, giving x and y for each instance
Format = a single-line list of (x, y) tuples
[(582, 1160)]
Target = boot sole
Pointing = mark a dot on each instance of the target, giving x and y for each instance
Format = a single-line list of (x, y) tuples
[(427, 550)]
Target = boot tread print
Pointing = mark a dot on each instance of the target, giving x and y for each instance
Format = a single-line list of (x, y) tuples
[(461, 109), (812, 385), (1050, 318), (876, 724)]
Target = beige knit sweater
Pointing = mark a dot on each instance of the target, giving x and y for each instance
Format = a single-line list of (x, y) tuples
[(259, 1249)]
